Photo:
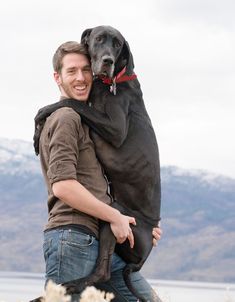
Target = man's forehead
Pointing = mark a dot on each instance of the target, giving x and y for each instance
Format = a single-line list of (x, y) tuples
[(74, 59)]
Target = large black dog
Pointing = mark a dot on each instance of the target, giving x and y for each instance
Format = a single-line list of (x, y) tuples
[(125, 145)]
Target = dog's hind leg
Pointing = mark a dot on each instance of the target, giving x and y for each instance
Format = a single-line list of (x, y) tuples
[(128, 269)]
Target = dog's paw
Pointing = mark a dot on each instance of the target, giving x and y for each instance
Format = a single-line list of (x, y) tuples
[(75, 286)]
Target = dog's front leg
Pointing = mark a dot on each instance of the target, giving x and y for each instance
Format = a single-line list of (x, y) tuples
[(112, 125)]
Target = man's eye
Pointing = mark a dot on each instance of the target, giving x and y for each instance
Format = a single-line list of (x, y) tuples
[(87, 69)]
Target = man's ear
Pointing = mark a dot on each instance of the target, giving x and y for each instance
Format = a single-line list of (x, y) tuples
[(85, 36), (57, 78)]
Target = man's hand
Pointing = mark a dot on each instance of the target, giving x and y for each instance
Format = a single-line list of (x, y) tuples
[(121, 228), (157, 232)]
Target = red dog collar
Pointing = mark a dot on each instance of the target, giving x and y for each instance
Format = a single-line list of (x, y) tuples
[(119, 78)]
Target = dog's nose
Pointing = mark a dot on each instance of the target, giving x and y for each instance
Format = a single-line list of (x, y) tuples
[(107, 60)]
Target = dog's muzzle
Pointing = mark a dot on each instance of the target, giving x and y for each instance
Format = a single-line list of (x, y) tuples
[(108, 60)]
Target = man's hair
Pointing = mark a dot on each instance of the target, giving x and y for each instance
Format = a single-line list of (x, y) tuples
[(66, 48)]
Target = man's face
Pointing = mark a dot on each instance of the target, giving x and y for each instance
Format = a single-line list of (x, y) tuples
[(75, 78)]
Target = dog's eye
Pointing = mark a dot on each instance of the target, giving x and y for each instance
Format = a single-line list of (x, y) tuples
[(117, 43), (98, 38)]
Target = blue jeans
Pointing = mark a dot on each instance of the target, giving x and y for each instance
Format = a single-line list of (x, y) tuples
[(70, 254)]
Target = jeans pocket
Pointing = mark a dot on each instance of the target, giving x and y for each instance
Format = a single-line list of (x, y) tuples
[(75, 243), (78, 255), (77, 239)]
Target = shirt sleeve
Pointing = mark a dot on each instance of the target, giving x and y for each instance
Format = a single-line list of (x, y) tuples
[(64, 147)]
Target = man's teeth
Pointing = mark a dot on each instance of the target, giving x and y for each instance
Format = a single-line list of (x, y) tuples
[(80, 88)]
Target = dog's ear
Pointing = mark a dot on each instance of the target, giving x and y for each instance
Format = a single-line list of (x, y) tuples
[(85, 36), (127, 55)]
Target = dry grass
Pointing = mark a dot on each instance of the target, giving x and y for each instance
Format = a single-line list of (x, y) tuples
[(57, 293)]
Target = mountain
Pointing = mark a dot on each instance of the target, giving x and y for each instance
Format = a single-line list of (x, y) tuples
[(198, 220)]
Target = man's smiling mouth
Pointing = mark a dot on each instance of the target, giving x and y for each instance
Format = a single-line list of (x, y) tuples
[(80, 88)]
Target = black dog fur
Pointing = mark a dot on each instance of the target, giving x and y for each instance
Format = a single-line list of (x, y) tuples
[(126, 146)]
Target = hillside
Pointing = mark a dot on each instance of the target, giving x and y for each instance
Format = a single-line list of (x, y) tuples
[(198, 220)]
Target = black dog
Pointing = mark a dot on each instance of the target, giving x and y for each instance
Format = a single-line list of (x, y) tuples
[(125, 145)]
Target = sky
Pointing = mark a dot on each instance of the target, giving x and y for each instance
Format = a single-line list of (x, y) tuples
[(184, 58)]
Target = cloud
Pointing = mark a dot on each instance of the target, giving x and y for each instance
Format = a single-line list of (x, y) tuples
[(215, 13), (184, 58)]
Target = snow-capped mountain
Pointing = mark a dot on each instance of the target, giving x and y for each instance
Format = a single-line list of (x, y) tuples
[(198, 219), (17, 157), (205, 178), (23, 148)]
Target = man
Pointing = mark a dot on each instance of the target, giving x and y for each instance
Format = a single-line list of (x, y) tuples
[(77, 188)]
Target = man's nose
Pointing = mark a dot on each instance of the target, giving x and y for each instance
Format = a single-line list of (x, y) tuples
[(80, 76)]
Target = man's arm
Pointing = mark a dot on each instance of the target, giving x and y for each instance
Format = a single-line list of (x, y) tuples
[(78, 197)]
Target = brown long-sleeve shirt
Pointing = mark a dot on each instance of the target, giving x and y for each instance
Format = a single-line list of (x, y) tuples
[(67, 152)]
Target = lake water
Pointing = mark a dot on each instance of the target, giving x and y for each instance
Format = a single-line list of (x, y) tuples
[(22, 287)]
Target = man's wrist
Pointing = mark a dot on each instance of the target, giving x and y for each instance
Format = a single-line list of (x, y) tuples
[(114, 215)]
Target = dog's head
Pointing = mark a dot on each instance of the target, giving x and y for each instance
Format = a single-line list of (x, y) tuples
[(108, 50)]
